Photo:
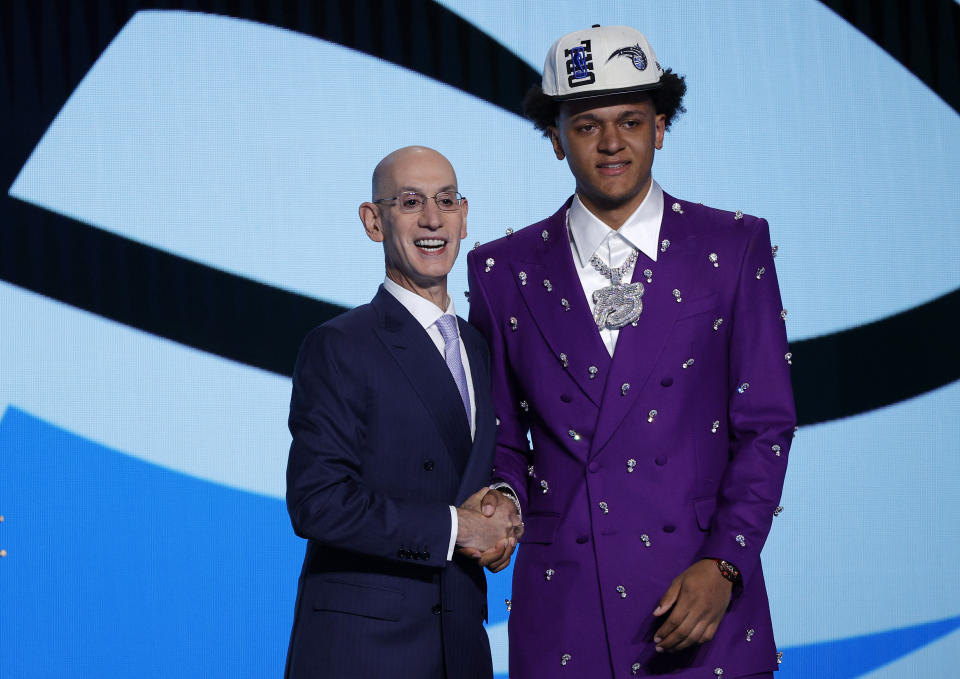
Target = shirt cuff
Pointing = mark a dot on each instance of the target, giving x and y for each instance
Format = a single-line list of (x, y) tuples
[(454, 527), (510, 493)]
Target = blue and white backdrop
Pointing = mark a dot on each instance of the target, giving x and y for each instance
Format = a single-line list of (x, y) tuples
[(180, 183)]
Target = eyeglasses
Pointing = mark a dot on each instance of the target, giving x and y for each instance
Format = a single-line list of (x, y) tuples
[(411, 201)]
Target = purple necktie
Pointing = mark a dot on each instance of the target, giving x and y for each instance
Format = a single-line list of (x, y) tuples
[(447, 325)]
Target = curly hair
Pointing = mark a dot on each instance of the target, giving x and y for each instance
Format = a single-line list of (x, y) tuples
[(667, 99)]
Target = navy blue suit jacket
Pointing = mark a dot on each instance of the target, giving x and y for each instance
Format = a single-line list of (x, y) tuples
[(381, 448)]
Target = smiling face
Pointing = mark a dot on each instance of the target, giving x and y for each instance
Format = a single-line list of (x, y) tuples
[(419, 248), (609, 144)]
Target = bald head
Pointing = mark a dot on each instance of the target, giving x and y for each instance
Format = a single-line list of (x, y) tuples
[(390, 174)]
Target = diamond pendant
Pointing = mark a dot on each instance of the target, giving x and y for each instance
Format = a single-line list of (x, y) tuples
[(617, 305)]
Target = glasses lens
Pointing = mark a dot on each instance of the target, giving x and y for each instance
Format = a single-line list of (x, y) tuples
[(410, 202), (448, 200)]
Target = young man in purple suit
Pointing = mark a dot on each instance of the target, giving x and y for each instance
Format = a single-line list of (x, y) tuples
[(638, 339)]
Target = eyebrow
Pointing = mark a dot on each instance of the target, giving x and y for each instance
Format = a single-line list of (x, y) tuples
[(586, 115), (404, 189)]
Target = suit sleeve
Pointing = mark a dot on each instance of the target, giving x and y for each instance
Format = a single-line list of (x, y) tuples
[(327, 499), (512, 452), (761, 416)]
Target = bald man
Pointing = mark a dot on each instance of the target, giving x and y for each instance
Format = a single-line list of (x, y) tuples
[(393, 436)]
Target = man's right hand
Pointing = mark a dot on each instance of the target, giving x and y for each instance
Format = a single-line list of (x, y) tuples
[(488, 535)]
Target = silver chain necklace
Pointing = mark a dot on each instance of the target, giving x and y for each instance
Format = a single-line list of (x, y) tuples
[(617, 304)]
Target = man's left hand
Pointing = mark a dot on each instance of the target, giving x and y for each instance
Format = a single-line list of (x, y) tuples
[(696, 600)]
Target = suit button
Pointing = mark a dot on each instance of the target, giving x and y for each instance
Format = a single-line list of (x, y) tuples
[(669, 528), (428, 465), (594, 467), (666, 381), (426, 556), (401, 554), (583, 539), (436, 609), (661, 460), (566, 398)]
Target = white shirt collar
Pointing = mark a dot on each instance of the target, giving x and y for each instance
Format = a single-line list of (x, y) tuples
[(641, 230), (425, 311)]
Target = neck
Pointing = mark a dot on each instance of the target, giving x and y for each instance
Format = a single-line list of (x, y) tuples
[(614, 214), (435, 292)]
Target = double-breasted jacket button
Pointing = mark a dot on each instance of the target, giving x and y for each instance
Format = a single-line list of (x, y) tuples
[(583, 539), (660, 460), (666, 381), (435, 609), (669, 528), (428, 465), (566, 398), (594, 467)]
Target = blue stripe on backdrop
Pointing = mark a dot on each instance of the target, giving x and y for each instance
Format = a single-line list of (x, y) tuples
[(117, 567)]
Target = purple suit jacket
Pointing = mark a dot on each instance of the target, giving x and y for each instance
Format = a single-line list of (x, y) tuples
[(671, 451)]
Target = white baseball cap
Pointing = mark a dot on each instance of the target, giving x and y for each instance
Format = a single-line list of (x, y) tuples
[(598, 61)]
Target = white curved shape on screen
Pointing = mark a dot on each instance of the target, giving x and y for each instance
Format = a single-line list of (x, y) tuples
[(794, 115), (150, 398), (870, 523), (249, 148), (498, 647)]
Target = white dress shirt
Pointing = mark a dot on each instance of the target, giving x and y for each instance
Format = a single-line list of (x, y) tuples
[(427, 313), (588, 236)]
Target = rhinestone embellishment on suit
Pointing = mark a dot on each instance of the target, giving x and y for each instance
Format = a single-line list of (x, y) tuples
[(490, 262)]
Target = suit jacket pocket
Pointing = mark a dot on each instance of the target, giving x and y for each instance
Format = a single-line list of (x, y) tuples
[(370, 602), (540, 528), (705, 508), (700, 305)]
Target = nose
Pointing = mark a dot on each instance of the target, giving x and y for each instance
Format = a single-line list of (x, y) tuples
[(431, 216), (610, 140)]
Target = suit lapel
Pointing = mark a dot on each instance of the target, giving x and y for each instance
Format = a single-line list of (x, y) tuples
[(478, 468), (569, 329), (638, 348), (427, 372)]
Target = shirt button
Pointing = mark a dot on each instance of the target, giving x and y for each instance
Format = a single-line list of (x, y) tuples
[(566, 398), (428, 465), (583, 539), (594, 467), (436, 609)]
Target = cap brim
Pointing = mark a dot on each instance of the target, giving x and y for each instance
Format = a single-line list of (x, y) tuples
[(593, 94)]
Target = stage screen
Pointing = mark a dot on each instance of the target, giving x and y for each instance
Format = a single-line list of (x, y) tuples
[(181, 183)]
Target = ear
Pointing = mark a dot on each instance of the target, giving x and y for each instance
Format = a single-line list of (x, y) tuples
[(464, 206), (372, 221), (660, 127), (554, 134)]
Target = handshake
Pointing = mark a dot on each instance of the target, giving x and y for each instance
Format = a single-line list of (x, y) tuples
[(488, 528)]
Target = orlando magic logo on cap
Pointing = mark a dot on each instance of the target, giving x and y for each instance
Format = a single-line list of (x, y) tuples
[(633, 52), (598, 61)]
